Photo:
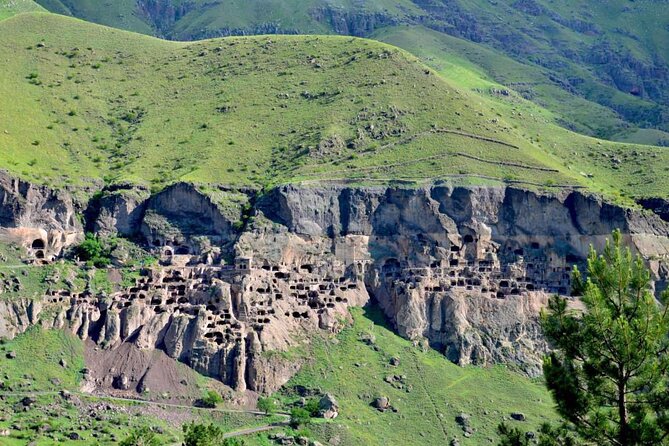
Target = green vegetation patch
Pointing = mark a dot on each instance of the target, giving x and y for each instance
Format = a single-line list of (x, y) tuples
[(34, 360), (89, 103), (9, 8), (429, 395)]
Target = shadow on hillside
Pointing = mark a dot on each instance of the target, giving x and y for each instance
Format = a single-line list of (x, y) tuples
[(374, 313)]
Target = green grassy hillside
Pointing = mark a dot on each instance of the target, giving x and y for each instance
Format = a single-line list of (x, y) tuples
[(10, 8), (430, 395), (87, 102), (478, 68), (199, 19), (601, 67)]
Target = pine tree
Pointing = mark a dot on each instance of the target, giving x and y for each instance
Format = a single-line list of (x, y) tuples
[(608, 372)]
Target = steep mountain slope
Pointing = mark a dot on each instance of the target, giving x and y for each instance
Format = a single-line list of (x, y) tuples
[(87, 102), (600, 65)]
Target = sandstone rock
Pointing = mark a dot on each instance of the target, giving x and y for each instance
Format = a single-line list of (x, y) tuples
[(121, 382), (120, 210), (462, 419)]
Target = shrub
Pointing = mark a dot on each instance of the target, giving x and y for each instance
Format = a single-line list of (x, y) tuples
[(210, 435), (312, 407), (142, 436), (267, 405), (299, 417), (95, 251), (211, 399)]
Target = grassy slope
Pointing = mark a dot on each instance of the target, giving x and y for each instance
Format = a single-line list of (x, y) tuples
[(477, 67), (36, 371), (91, 102), (206, 18), (118, 13), (9, 8), (354, 372), (576, 56), (550, 56)]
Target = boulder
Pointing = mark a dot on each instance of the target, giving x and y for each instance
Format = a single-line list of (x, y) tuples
[(121, 382), (328, 407), (381, 403), (518, 416)]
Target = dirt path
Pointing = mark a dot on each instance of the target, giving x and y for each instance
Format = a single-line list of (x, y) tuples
[(239, 433), (254, 430), (145, 402)]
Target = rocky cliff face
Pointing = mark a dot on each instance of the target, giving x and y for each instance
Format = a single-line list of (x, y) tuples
[(38, 218), (465, 269)]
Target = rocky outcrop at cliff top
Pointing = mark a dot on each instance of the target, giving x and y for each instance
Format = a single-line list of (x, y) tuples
[(23, 204), (466, 269)]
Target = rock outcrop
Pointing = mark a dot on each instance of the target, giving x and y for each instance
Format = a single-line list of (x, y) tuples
[(465, 269), (40, 219)]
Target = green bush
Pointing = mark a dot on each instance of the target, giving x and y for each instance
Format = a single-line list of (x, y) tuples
[(267, 405), (211, 399), (95, 250), (299, 417), (210, 435), (142, 436), (312, 407)]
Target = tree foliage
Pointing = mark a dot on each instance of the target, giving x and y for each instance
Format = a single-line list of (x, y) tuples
[(608, 372), (299, 417), (95, 250), (267, 405), (207, 435), (211, 399), (142, 436)]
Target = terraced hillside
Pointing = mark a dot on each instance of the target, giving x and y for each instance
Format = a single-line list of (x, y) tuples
[(601, 66), (86, 103)]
